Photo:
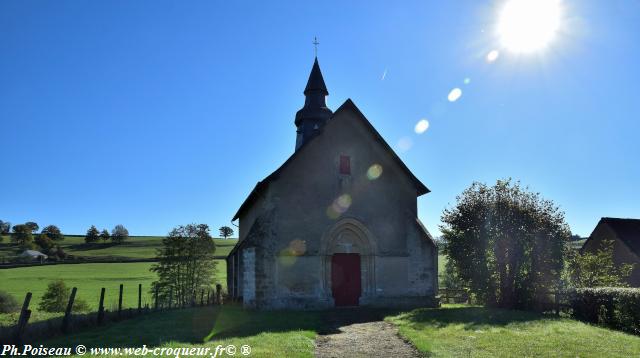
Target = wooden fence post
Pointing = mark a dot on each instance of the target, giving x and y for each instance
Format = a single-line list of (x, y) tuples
[(139, 298), (101, 307), (25, 314), (218, 293), (66, 321), (120, 300)]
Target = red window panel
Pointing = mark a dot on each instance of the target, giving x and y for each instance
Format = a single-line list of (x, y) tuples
[(345, 164)]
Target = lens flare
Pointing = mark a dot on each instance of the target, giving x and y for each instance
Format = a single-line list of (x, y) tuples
[(492, 55), (297, 247), (374, 172), (421, 126), (454, 95), (467, 81), (339, 206), (344, 201)]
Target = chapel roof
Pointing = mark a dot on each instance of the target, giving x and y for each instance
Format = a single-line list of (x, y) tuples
[(346, 106)]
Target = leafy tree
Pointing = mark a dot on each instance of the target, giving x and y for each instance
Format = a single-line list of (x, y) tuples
[(450, 277), (506, 243), (185, 263), (226, 231), (53, 233), (597, 269), (56, 298), (104, 235), (119, 234), (33, 226), (44, 242), (5, 227), (93, 235), (22, 235)]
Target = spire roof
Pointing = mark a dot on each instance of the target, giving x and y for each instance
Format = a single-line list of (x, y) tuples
[(316, 82)]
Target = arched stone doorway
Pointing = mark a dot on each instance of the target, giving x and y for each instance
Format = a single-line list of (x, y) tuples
[(345, 240)]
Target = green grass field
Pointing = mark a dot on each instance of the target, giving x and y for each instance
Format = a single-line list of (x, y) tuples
[(89, 279), (467, 331), (137, 247), (269, 334), (450, 331)]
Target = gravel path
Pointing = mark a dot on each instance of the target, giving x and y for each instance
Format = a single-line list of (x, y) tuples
[(360, 333)]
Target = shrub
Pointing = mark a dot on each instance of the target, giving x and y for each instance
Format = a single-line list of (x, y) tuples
[(8, 303), (613, 307), (56, 298)]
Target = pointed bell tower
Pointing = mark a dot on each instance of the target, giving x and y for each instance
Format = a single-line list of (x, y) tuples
[(315, 113)]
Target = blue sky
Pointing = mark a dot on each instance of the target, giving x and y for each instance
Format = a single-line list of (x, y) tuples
[(153, 114)]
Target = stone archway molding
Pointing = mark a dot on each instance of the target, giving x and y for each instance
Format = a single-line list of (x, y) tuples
[(349, 235)]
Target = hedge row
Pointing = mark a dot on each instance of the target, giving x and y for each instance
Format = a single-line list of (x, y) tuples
[(613, 307)]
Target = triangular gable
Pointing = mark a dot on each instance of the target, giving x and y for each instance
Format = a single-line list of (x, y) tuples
[(626, 230), (347, 105)]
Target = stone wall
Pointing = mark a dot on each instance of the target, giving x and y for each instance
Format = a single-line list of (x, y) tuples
[(249, 276)]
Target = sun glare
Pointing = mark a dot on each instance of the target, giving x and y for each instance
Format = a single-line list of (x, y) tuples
[(528, 25)]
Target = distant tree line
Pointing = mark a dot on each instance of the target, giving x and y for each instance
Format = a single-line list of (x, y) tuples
[(26, 237), (119, 234)]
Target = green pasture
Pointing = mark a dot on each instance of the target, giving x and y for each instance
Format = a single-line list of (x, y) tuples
[(89, 279), (450, 331), (471, 331), (137, 247)]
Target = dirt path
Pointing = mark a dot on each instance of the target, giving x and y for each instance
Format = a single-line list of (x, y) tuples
[(361, 333)]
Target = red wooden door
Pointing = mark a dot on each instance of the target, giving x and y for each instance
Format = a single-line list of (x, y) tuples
[(345, 279)]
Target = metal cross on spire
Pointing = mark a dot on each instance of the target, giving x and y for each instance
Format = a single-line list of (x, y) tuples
[(315, 44)]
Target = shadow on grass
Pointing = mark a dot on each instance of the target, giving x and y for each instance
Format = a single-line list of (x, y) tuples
[(106, 245), (199, 325), (471, 317)]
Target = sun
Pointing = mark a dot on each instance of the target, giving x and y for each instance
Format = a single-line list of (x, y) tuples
[(528, 25)]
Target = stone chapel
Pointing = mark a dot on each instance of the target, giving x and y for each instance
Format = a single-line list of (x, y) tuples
[(336, 224)]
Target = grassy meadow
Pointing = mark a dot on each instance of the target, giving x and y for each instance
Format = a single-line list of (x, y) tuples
[(137, 247), (269, 334), (468, 331), (450, 331), (89, 279)]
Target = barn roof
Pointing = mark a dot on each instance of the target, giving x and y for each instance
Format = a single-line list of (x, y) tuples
[(347, 105), (627, 230)]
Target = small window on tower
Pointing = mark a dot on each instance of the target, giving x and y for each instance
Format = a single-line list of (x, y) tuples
[(345, 164)]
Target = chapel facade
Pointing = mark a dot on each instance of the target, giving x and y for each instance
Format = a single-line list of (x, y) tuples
[(336, 224)]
